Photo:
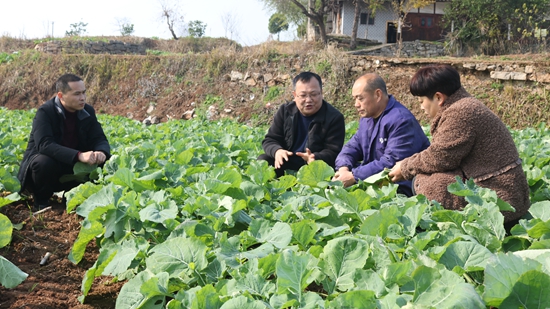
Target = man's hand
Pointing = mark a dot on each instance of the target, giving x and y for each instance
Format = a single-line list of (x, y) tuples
[(395, 173), (92, 157), (308, 156), (281, 156), (345, 176)]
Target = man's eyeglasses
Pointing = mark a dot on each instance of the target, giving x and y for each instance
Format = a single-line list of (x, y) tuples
[(313, 95)]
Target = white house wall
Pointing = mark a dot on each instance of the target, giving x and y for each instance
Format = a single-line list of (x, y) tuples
[(376, 32), (429, 9)]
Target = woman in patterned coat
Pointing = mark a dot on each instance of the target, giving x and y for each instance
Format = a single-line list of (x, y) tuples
[(468, 140)]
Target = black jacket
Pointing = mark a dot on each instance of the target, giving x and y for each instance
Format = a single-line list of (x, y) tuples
[(47, 133), (326, 132)]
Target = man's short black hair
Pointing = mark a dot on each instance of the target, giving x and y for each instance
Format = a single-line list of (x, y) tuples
[(62, 83), (306, 77)]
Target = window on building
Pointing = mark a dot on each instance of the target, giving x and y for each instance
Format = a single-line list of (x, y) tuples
[(426, 22), (366, 18)]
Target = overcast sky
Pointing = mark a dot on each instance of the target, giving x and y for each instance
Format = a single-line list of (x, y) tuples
[(33, 19)]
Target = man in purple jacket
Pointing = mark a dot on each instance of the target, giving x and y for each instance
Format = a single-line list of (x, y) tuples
[(388, 132)]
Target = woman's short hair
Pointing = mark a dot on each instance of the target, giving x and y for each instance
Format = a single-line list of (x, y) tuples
[(435, 78)]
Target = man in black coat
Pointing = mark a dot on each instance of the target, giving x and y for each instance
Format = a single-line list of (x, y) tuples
[(64, 131), (304, 130)]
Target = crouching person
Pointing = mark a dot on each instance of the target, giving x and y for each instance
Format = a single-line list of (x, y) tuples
[(468, 140), (64, 131), (304, 130)]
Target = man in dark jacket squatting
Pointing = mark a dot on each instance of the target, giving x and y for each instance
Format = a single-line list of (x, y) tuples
[(388, 132), (304, 130), (64, 131)]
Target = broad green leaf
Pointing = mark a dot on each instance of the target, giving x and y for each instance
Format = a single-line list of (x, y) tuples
[(155, 286), (284, 182), (312, 300), (539, 229), (253, 283), (411, 218), (207, 297), (107, 195), (381, 178), (88, 231), (468, 255), (344, 202), (354, 299), (448, 216), (260, 172), (368, 279), (259, 252), (78, 195), (184, 157), (540, 255), (6, 229), (279, 235), (6, 200), (131, 297), (176, 255), (10, 275), (340, 258), (421, 240), (502, 273), (398, 273), (314, 173), (122, 259), (378, 223), (492, 220), (173, 172), (159, 212), (304, 232), (529, 291), (293, 272), (540, 244), (123, 177), (241, 302), (484, 237), (443, 289), (9, 182), (540, 210)]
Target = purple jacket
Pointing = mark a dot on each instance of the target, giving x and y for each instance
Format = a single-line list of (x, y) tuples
[(376, 145)]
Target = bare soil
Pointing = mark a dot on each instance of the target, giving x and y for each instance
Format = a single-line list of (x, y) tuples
[(57, 283)]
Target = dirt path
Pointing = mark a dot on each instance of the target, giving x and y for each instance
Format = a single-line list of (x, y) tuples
[(56, 284)]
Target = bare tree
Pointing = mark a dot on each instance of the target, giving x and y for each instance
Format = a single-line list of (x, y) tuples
[(372, 6), (356, 17), (316, 11), (296, 10), (230, 22), (171, 13)]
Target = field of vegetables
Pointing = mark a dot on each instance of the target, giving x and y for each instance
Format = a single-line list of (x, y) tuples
[(185, 215)]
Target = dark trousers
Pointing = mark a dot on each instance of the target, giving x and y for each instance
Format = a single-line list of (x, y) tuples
[(294, 163), (43, 178)]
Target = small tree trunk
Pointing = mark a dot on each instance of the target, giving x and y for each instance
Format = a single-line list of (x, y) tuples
[(353, 43)]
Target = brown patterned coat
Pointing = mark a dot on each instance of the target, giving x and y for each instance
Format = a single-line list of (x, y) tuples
[(469, 140)]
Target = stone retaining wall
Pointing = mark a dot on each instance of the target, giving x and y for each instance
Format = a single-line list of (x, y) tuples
[(89, 47), (409, 49)]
